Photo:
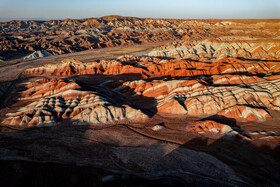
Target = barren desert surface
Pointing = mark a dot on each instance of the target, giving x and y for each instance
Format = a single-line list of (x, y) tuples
[(123, 101)]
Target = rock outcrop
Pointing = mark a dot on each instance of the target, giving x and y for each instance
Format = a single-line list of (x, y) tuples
[(201, 110), (38, 54), (221, 49), (239, 88), (55, 99), (233, 88), (212, 85)]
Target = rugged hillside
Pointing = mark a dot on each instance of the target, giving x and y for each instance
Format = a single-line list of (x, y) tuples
[(236, 89), (215, 49), (20, 38), (200, 110)]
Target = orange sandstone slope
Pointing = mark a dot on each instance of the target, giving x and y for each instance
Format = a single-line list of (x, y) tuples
[(180, 89), (138, 89), (142, 115)]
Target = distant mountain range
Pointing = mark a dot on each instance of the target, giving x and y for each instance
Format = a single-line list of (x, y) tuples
[(19, 38)]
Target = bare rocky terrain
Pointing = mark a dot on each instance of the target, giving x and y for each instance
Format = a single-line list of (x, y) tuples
[(146, 102), (21, 38)]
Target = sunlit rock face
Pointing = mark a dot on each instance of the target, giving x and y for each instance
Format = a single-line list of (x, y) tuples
[(244, 90), (203, 109), (54, 99), (199, 77), (220, 49)]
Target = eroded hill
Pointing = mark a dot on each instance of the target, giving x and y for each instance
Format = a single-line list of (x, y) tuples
[(20, 38), (201, 109)]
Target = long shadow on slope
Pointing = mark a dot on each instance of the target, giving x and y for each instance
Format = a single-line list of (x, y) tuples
[(136, 76), (69, 155), (257, 59), (8, 95), (221, 119), (228, 121), (50, 156), (255, 165), (118, 93)]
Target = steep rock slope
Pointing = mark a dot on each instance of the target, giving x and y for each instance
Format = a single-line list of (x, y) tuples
[(233, 88), (54, 99), (221, 49)]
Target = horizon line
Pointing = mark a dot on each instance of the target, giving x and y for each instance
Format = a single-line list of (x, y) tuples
[(3, 19)]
